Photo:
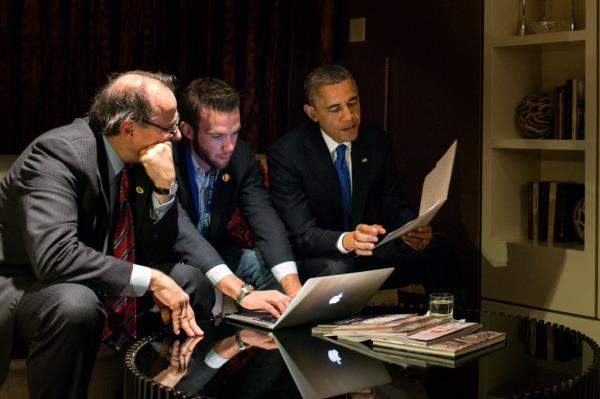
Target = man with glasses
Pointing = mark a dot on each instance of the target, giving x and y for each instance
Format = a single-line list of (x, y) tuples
[(81, 210), (218, 173)]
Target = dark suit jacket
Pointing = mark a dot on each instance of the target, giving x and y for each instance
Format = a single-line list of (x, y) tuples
[(55, 216), (239, 185), (305, 190)]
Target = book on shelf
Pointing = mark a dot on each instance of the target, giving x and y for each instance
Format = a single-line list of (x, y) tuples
[(533, 210), (558, 107), (580, 124), (551, 210), (543, 191), (550, 206), (568, 110), (451, 348)]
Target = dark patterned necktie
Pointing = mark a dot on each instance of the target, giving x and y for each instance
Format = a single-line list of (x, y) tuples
[(121, 312), (344, 180)]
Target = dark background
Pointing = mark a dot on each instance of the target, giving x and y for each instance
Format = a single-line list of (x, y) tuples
[(55, 54)]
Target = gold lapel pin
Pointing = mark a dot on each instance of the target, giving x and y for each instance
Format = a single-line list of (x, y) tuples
[(226, 177), (364, 160), (139, 190)]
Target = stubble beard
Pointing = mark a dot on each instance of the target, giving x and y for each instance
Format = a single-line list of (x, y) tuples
[(204, 155)]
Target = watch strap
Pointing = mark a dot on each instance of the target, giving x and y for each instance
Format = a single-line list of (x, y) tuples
[(244, 290), (171, 190)]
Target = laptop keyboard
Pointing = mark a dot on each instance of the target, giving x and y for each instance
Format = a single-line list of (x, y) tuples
[(266, 318)]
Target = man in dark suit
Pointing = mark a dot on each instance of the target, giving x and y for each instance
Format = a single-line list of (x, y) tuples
[(334, 183), (58, 212), (218, 173)]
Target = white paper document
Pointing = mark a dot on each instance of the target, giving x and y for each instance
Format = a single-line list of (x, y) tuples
[(433, 194)]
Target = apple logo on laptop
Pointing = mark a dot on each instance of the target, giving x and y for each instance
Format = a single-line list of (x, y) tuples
[(334, 356), (336, 298)]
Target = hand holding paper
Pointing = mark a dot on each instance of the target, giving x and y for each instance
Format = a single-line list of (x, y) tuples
[(433, 195), (419, 238)]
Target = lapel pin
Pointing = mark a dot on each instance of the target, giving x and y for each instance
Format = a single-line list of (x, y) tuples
[(139, 190), (226, 177), (364, 160)]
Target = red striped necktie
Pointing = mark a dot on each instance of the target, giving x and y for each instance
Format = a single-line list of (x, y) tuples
[(121, 312)]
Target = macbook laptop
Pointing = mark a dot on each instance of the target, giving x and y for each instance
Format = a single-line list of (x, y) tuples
[(322, 298)]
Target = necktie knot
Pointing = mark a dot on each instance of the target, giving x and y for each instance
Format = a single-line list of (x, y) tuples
[(341, 152), (124, 185)]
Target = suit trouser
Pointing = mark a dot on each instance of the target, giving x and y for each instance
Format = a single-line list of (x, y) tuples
[(437, 267), (60, 327)]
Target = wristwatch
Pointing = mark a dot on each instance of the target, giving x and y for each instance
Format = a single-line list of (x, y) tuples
[(171, 190), (242, 292)]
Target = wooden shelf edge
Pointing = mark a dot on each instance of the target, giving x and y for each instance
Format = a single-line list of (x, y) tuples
[(539, 144), (538, 39), (569, 246)]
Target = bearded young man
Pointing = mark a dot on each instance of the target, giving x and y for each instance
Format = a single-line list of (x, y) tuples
[(218, 173)]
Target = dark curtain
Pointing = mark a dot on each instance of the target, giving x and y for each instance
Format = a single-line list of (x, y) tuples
[(55, 54)]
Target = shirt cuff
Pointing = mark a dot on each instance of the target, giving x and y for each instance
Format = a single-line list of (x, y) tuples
[(213, 360), (339, 245), (283, 269), (138, 282), (158, 210), (218, 273)]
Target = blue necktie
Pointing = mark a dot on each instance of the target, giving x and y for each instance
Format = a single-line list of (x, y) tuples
[(344, 180)]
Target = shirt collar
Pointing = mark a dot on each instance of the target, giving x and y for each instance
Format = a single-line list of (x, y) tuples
[(332, 144), (198, 169), (115, 163)]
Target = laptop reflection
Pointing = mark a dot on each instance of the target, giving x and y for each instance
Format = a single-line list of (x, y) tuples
[(322, 369)]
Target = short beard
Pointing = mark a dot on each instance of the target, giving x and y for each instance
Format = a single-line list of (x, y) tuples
[(204, 155)]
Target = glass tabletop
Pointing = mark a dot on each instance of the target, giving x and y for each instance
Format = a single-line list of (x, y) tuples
[(238, 361)]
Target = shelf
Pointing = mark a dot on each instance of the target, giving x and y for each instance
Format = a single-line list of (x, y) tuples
[(567, 246), (538, 39), (514, 269), (539, 144)]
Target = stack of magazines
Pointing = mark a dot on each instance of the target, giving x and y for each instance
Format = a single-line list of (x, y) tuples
[(414, 333)]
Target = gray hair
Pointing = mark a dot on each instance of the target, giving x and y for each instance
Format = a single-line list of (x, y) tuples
[(324, 75), (206, 93), (112, 106)]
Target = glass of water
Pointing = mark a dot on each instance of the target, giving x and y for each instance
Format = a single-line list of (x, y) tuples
[(441, 304)]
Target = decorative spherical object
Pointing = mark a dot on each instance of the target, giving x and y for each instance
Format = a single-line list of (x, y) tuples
[(579, 219), (534, 114)]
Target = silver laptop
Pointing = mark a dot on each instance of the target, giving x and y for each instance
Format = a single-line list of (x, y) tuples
[(322, 298), (323, 369)]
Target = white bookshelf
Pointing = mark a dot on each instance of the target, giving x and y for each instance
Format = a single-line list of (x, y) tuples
[(515, 270)]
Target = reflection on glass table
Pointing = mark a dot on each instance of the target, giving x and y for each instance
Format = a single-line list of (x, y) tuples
[(236, 361)]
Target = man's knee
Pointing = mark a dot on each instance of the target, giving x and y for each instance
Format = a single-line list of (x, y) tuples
[(80, 306), (62, 307)]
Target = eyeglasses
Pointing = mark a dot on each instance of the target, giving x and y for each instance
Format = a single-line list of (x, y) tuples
[(172, 130)]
